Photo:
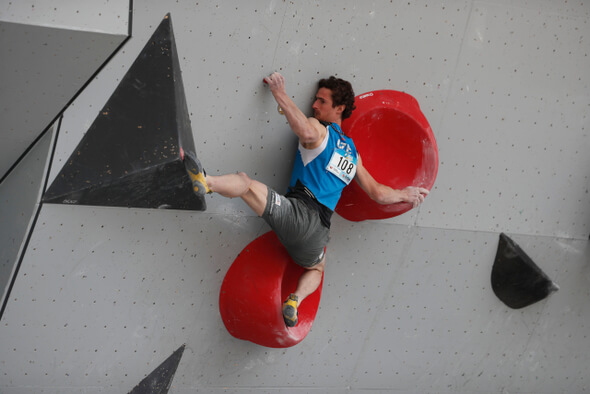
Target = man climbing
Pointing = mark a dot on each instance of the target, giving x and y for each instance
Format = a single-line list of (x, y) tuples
[(325, 163)]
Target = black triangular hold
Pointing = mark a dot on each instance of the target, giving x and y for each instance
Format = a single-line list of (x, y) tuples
[(159, 381), (516, 279), (132, 154)]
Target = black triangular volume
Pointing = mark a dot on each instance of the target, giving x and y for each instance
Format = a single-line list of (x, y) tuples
[(159, 381), (516, 279), (132, 154)]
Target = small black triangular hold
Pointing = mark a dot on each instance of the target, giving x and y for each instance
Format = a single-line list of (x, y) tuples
[(159, 381), (516, 279), (132, 154)]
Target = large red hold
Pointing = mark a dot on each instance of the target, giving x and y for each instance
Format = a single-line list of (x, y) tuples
[(397, 147), (253, 290)]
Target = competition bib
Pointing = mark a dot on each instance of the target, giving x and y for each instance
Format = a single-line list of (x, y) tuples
[(343, 165)]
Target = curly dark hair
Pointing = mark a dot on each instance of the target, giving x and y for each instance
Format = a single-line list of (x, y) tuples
[(342, 94)]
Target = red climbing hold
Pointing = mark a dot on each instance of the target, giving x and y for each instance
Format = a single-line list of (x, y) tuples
[(253, 290), (397, 147)]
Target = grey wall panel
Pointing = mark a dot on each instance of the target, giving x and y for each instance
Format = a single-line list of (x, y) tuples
[(121, 293), (405, 308), (20, 194), (514, 138), (42, 69), (106, 16)]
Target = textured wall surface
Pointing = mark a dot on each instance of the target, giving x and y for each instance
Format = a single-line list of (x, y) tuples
[(104, 295)]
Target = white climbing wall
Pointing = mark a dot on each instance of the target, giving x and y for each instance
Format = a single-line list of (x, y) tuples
[(103, 295)]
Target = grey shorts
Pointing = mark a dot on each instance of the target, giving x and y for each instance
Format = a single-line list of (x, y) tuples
[(298, 227)]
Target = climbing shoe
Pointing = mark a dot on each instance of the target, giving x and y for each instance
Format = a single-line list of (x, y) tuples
[(196, 173), (290, 310)]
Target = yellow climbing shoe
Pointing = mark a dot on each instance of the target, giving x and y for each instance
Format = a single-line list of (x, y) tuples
[(290, 310), (199, 183), (196, 173)]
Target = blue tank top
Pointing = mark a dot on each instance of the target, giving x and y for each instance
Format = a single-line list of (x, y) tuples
[(326, 170)]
